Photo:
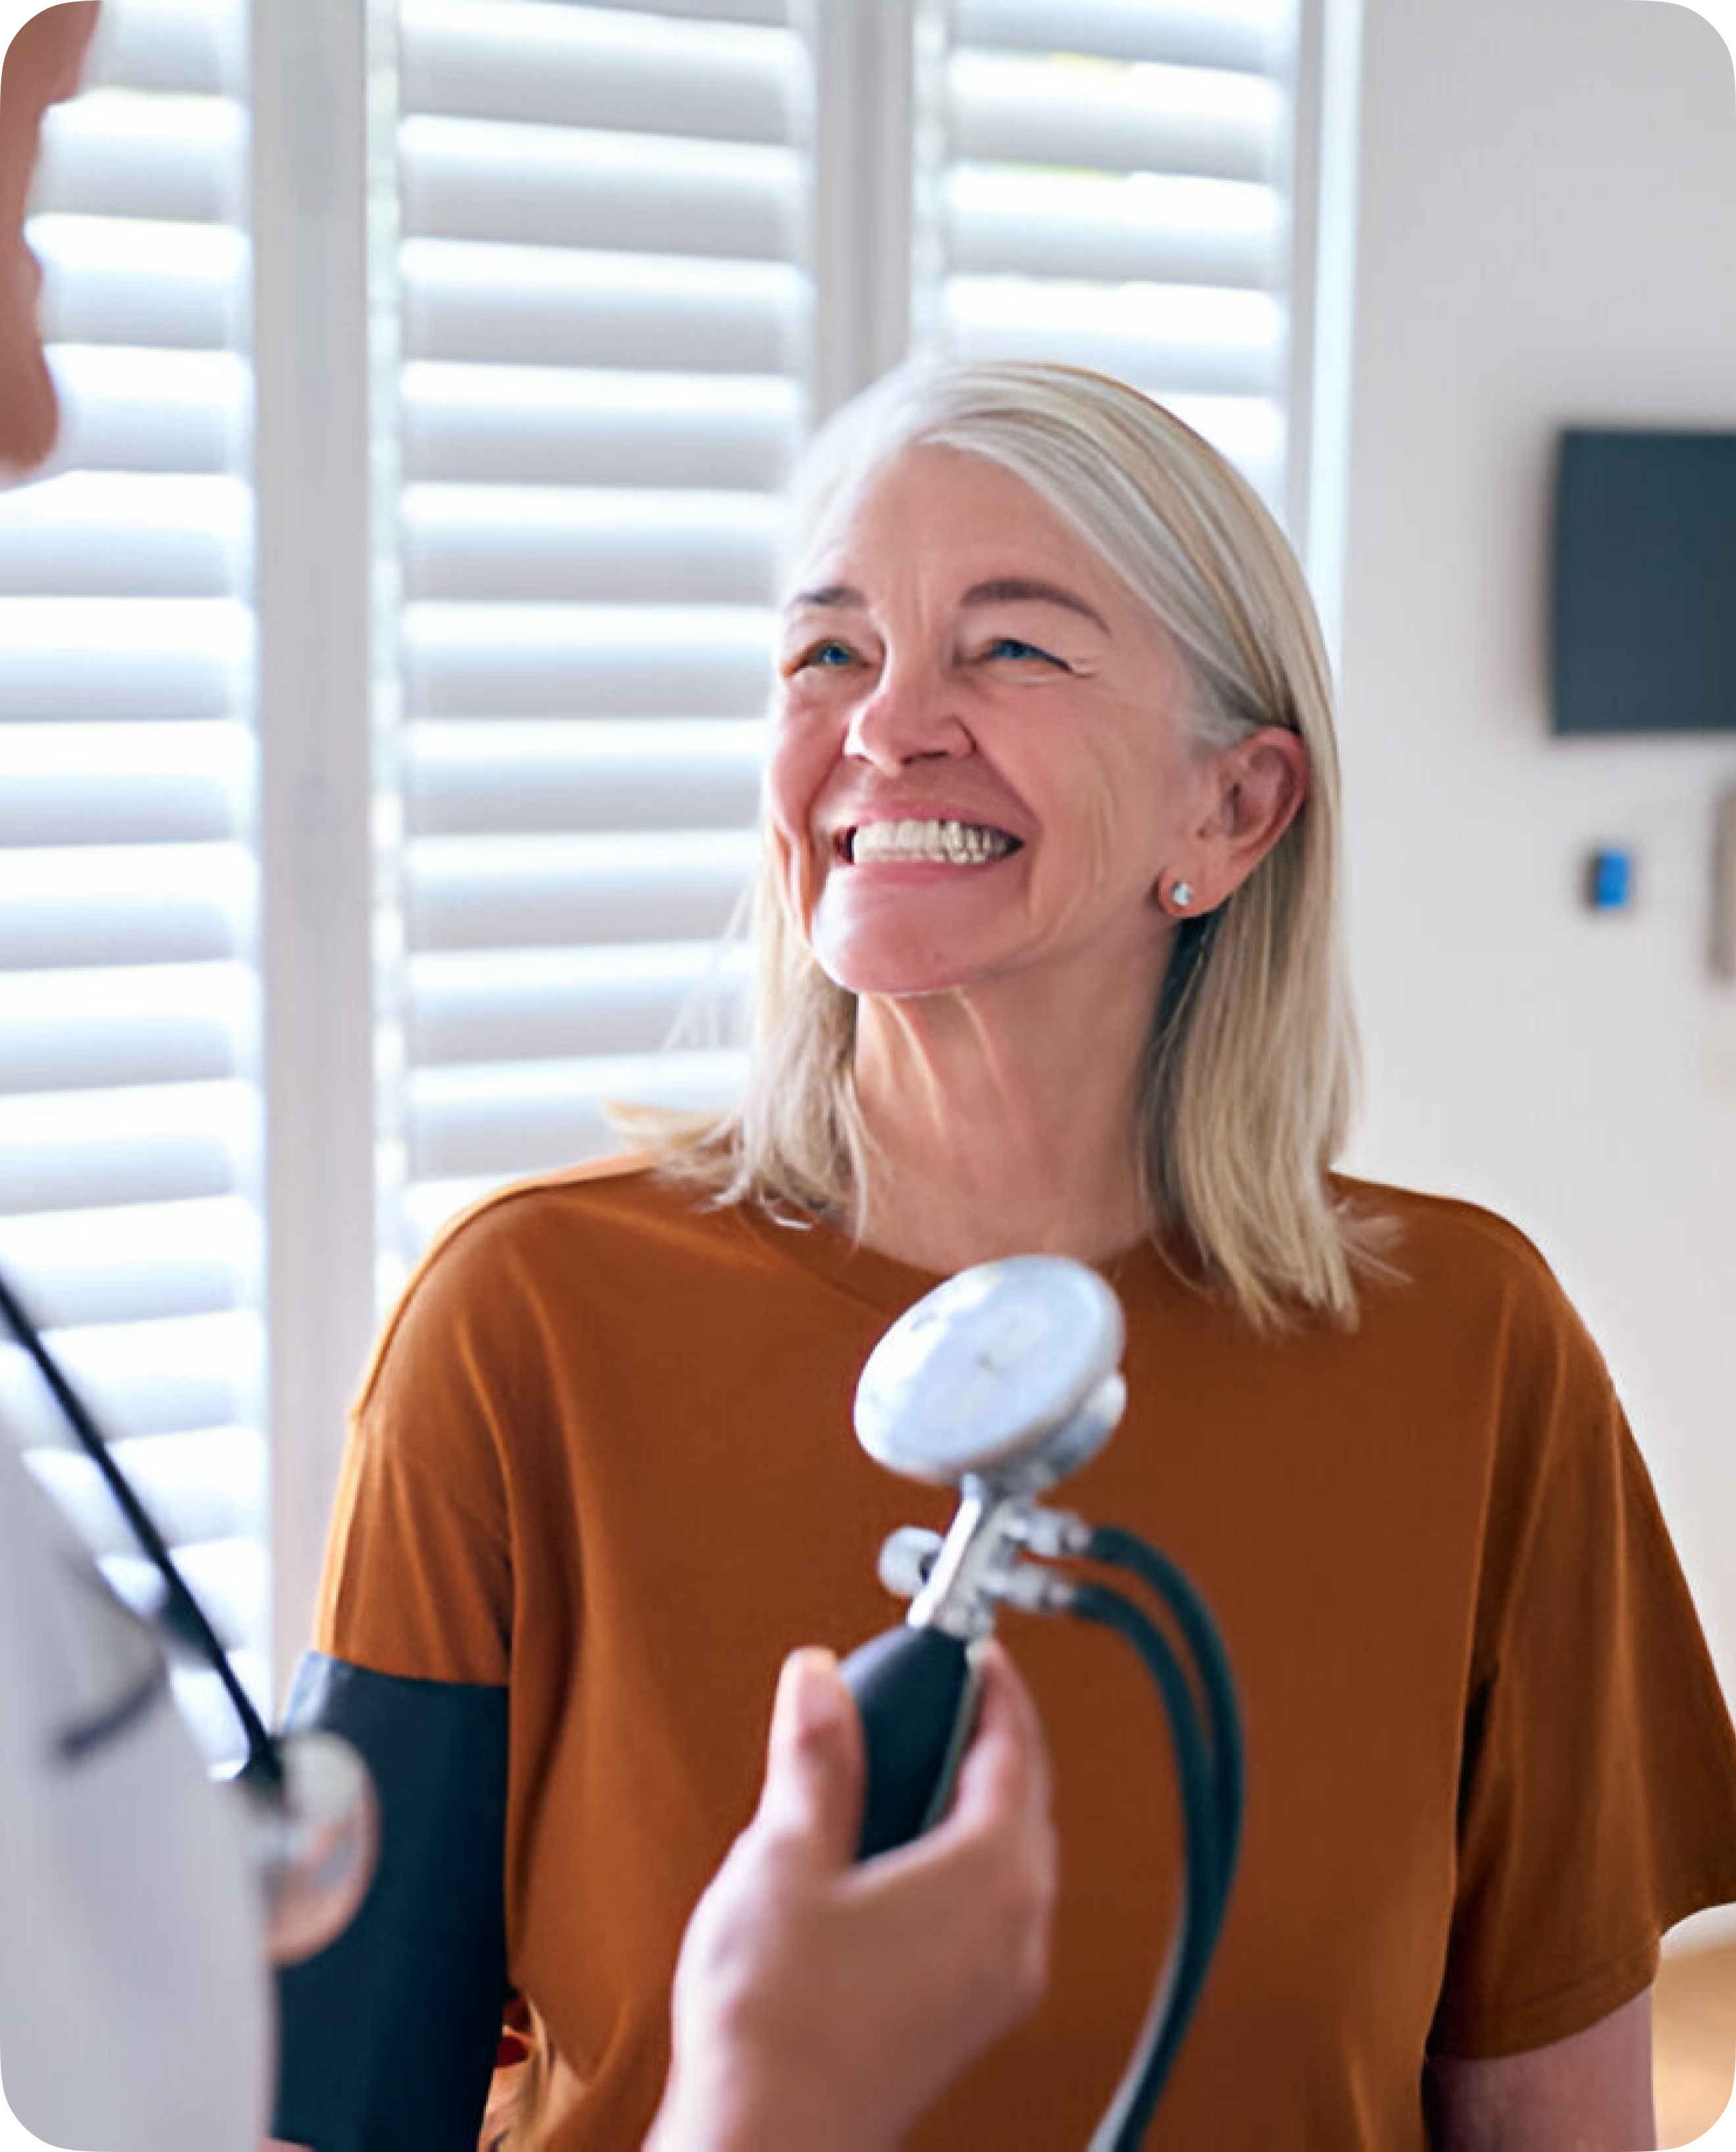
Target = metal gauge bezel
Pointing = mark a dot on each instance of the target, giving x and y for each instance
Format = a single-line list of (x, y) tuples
[(1006, 1372)]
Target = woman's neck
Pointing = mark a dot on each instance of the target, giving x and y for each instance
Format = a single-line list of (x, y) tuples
[(999, 1126)]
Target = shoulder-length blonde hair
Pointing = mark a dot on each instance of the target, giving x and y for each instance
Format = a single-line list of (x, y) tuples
[(1250, 1067)]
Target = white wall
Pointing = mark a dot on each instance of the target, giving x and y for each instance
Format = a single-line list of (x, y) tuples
[(1547, 236)]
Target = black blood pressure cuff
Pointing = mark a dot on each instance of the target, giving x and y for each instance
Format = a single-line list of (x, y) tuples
[(387, 2038)]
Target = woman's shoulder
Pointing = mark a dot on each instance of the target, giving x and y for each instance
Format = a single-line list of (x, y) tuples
[(1448, 1253), (1467, 1305), (1429, 1216), (577, 1207), (532, 1250)]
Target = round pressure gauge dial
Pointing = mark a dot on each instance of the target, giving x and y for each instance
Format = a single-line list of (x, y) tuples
[(1007, 1372)]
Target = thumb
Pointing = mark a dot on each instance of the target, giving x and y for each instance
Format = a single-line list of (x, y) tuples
[(814, 1761)]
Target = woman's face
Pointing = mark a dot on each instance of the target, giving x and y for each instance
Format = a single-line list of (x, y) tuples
[(980, 764), (42, 65)]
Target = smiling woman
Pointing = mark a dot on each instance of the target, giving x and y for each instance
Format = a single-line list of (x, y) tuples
[(1028, 600), (1049, 960)]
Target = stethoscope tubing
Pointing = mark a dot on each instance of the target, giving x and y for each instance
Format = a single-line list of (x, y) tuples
[(1209, 1776)]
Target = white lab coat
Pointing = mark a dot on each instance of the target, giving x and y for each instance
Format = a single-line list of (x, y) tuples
[(134, 1994)]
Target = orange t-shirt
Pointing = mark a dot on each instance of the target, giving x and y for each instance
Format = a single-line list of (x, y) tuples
[(604, 1458)]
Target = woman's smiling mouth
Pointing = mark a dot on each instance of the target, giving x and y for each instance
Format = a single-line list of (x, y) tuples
[(930, 842)]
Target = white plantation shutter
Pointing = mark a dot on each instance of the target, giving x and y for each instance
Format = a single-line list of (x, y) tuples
[(129, 991), (602, 331), (1109, 183)]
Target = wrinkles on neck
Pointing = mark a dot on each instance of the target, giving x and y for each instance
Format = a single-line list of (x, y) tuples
[(1000, 1124)]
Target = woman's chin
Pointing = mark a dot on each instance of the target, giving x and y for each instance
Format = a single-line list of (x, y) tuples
[(893, 974), (871, 946)]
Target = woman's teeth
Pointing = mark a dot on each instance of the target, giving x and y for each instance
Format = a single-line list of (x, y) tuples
[(944, 843)]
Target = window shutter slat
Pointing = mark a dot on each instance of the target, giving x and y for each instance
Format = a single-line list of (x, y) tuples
[(560, 1004), (113, 154), (138, 904), (592, 67), (169, 1259), (646, 775), (112, 784), (469, 1127), (1192, 353), (530, 427), (116, 289), (170, 48), (469, 179), (116, 661), (1153, 120), (1234, 35), (1166, 231), (162, 1023), (527, 662), (575, 547), (771, 14), (90, 1150), (135, 409), (536, 892), (125, 536), (531, 306)]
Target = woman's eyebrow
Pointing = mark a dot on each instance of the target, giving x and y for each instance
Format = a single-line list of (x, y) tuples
[(1014, 590), (999, 590), (828, 594)]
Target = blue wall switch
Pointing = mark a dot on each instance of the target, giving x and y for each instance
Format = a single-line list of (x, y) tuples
[(1609, 880)]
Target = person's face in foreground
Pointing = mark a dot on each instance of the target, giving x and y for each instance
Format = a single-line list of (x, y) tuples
[(980, 765), (42, 65)]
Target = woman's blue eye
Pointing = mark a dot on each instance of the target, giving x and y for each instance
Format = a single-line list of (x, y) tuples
[(829, 654), (1010, 646)]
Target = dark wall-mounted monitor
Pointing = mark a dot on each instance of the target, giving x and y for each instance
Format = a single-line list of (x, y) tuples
[(1645, 582)]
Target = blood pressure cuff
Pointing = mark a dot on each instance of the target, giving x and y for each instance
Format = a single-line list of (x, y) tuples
[(388, 2036)]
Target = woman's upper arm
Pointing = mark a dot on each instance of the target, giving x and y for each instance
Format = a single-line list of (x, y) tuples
[(1590, 2092), (387, 2036)]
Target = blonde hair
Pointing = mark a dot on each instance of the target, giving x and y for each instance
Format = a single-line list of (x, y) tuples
[(1249, 1066)]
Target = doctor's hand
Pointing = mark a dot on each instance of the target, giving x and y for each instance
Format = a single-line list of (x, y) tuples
[(819, 2001)]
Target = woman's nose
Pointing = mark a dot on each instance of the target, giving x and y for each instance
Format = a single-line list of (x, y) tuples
[(907, 718)]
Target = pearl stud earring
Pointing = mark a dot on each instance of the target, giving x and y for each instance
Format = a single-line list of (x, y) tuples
[(1182, 894)]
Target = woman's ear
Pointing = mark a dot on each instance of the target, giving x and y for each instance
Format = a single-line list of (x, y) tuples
[(1260, 785)]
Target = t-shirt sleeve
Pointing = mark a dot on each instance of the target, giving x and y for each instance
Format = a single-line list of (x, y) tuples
[(417, 1579), (1598, 1802)]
